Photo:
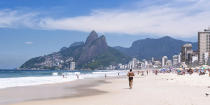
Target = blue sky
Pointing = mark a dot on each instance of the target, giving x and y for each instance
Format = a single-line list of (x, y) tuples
[(30, 28)]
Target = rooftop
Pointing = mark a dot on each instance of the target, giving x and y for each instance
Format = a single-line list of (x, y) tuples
[(187, 45), (207, 30)]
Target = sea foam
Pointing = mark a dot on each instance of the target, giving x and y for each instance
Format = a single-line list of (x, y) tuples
[(56, 77)]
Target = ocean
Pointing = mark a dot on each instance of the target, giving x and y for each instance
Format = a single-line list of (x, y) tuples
[(14, 78)]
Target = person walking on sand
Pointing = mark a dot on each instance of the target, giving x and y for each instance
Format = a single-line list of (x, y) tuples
[(156, 72), (130, 78)]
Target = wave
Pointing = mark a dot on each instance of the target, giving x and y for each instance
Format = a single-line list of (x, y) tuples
[(56, 77), (29, 81)]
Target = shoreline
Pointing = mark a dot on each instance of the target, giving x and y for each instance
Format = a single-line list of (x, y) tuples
[(77, 88), (163, 89), (48, 77)]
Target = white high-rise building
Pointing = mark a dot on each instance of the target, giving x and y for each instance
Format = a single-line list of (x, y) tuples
[(179, 58), (186, 54), (164, 60), (203, 45), (194, 58), (133, 63), (72, 66), (206, 56), (175, 59), (153, 59)]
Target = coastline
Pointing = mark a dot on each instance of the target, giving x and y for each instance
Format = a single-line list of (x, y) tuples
[(148, 90), (77, 88), (163, 89)]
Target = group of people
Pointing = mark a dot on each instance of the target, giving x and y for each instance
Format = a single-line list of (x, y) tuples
[(185, 71), (179, 72), (191, 71)]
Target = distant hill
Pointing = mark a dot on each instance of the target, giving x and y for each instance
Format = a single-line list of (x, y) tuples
[(148, 48), (93, 54)]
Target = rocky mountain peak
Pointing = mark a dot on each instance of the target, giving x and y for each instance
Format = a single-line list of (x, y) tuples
[(166, 38), (102, 41), (94, 46), (92, 36)]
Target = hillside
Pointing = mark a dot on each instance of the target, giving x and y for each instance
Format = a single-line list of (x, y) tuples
[(148, 48)]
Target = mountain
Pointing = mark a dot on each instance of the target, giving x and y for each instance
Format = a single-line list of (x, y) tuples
[(93, 54), (148, 48)]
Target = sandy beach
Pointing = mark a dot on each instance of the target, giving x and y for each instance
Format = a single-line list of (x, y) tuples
[(49, 91), (164, 89)]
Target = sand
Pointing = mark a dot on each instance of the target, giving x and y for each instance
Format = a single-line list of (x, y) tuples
[(164, 89), (50, 91)]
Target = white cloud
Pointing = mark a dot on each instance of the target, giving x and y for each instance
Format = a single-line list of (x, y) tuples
[(15, 19), (28, 43), (179, 18), (175, 18)]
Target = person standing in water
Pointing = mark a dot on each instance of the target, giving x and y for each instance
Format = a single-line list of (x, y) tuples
[(130, 78)]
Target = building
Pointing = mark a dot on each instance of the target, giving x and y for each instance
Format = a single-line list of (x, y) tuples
[(175, 59), (153, 59), (72, 66), (203, 46), (157, 64), (164, 60), (194, 58), (133, 64), (179, 58), (186, 54), (168, 63)]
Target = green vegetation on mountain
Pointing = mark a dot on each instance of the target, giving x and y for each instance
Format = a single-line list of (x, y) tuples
[(111, 57), (31, 63)]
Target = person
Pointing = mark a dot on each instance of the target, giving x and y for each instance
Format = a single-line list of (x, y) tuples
[(77, 76), (130, 78), (63, 76), (190, 71), (202, 72), (142, 73), (147, 72), (209, 72), (156, 72), (138, 72)]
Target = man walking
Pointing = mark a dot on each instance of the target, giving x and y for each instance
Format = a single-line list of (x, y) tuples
[(130, 78)]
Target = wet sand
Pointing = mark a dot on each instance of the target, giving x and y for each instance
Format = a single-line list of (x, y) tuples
[(71, 89)]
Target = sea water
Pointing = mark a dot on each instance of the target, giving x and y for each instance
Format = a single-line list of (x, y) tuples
[(14, 78)]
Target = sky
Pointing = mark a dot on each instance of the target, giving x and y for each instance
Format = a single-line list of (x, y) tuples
[(31, 28)]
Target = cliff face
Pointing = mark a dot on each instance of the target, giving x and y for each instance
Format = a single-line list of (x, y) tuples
[(93, 54), (94, 46)]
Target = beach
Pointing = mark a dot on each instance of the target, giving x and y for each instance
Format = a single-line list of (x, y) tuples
[(163, 89), (49, 91)]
